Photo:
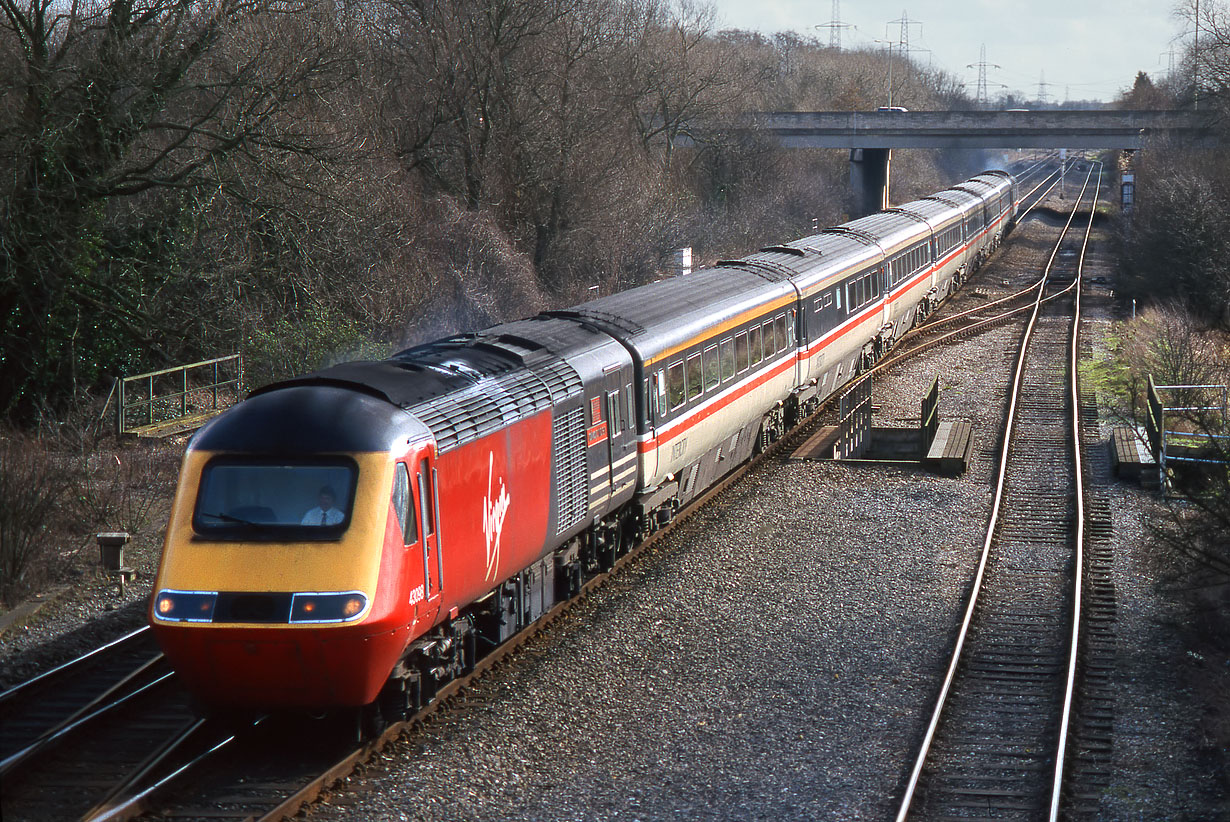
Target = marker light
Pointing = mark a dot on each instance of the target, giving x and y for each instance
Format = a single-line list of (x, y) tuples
[(185, 606), (316, 607)]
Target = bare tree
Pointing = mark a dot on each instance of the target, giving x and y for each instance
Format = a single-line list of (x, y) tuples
[(454, 81), (685, 79), (120, 99)]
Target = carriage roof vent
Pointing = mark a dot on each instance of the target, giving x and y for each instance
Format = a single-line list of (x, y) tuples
[(788, 249)]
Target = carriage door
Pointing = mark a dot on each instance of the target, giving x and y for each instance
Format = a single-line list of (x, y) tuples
[(655, 410), (621, 444), (429, 516), (406, 509), (886, 277)]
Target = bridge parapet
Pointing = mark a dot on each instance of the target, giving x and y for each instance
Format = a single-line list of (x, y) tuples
[(984, 129)]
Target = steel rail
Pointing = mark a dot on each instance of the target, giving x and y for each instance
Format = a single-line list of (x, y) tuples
[(70, 665), (294, 802), (981, 325), (1078, 459), (936, 323), (136, 804), (932, 326), (1001, 474), (44, 743), (1042, 196), (291, 804), (164, 752)]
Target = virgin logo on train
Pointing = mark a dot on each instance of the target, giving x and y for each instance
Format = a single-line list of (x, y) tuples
[(493, 518)]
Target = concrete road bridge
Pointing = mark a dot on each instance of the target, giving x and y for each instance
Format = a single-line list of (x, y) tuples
[(872, 135)]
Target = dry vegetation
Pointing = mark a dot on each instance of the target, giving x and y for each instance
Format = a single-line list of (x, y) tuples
[(302, 178), (1173, 254), (311, 180)]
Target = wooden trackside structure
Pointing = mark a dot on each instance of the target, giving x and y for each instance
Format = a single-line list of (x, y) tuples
[(942, 446)]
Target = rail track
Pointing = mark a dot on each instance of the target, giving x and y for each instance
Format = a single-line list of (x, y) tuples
[(61, 704), (191, 768), (942, 329), (108, 710), (997, 739)]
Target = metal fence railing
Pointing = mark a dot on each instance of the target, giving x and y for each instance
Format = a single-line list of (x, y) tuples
[(178, 394), (1190, 432)]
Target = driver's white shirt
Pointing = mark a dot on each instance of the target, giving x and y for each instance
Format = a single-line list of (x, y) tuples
[(314, 517)]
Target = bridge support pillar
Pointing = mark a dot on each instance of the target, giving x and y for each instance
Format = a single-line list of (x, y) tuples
[(869, 172)]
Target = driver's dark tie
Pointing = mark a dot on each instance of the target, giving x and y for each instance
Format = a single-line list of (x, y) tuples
[(322, 518)]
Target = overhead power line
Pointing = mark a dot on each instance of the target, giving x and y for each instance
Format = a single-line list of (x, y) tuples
[(981, 65)]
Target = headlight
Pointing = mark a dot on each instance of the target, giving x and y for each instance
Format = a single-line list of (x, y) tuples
[(185, 606), (314, 607)]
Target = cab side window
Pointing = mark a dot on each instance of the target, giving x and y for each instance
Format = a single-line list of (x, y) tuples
[(403, 505)]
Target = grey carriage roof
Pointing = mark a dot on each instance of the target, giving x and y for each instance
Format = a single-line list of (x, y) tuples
[(937, 213), (996, 178), (662, 317), (894, 230), (962, 199)]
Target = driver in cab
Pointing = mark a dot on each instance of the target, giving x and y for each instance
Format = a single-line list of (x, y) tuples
[(326, 511)]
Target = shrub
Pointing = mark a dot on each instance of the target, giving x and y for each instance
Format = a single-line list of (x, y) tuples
[(32, 486)]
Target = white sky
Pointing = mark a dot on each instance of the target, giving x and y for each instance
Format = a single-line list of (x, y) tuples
[(1088, 49)]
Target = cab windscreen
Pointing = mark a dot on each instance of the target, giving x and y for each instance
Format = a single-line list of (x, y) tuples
[(275, 499)]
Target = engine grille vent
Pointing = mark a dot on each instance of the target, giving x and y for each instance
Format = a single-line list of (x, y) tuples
[(571, 485), (561, 378), (466, 414)]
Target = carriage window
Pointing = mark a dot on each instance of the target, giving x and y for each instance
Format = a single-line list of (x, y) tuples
[(712, 372), (783, 340), (753, 343), (403, 505), (676, 385), (695, 376), (769, 347), (728, 359), (741, 351), (275, 499)]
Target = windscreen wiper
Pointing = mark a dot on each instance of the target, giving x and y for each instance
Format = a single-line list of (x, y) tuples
[(236, 520)]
